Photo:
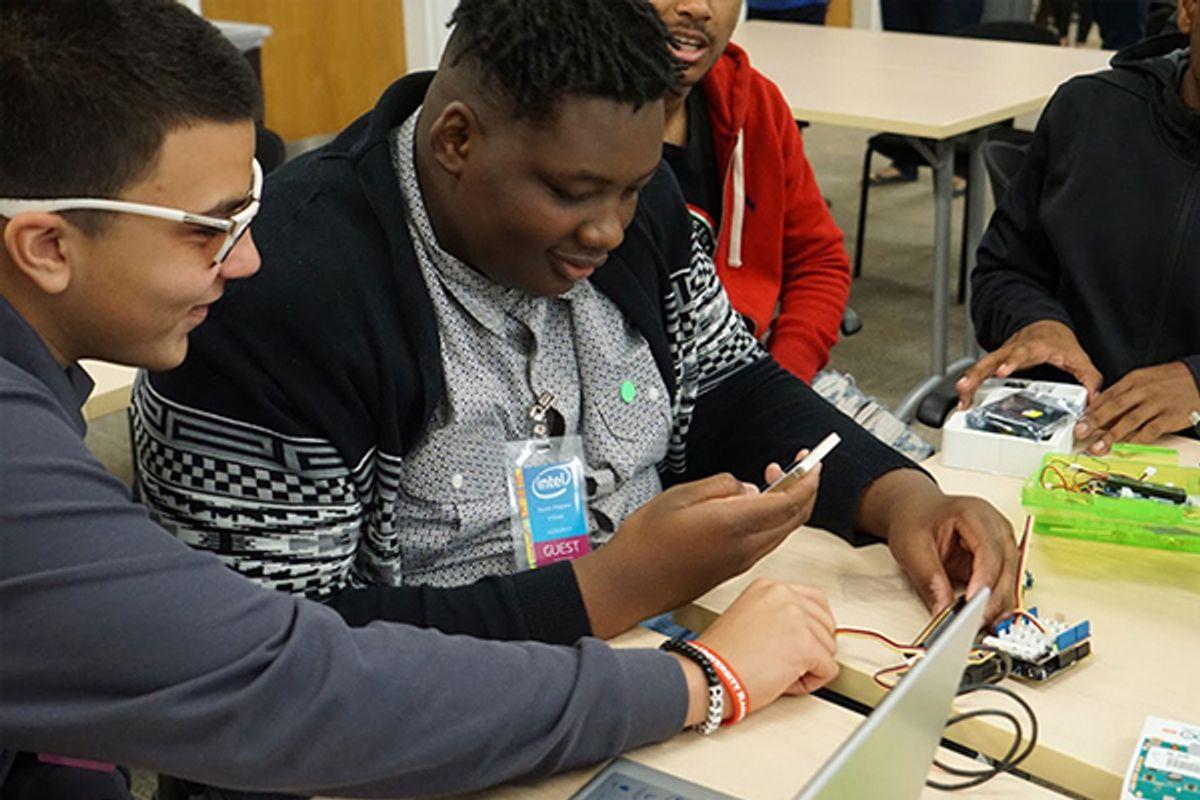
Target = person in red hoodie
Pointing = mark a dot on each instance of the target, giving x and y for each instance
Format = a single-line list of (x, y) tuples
[(756, 208), (739, 158)]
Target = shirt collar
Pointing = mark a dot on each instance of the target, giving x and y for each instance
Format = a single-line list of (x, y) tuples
[(21, 345), (484, 299)]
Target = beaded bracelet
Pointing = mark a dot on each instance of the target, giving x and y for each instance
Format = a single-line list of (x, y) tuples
[(716, 694), (735, 690)]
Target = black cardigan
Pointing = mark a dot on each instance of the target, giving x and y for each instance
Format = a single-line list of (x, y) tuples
[(336, 339)]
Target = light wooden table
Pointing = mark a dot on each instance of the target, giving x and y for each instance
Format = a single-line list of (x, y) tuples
[(937, 87), (1144, 606), (769, 756), (114, 383)]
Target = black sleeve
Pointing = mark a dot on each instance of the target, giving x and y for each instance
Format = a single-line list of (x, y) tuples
[(762, 414), (751, 415), (542, 605), (1017, 272)]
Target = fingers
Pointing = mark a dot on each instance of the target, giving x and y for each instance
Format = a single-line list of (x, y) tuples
[(819, 666), (816, 606), (1110, 405), (774, 472), (989, 537), (1042, 342), (1153, 430), (1110, 418), (1130, 423), (779, 637), (1073, 360), (1001, 363), (976, 374), (822, 672), (789, 505), (918, 554), (799, 499), (1084, 371), (712, 488)]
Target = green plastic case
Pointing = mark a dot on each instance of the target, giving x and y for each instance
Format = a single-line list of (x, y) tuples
[(1134, 521)]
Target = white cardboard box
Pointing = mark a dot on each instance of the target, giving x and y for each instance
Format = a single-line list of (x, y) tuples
[(1000, 454)]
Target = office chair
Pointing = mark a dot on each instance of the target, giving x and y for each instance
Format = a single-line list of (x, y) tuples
[(851, 322), (900, 147), (269, 148)]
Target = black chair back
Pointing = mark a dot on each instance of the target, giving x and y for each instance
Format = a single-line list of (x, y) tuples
[(1003, 160), (1010, 30)]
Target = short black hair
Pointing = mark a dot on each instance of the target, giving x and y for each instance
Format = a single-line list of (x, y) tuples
[(90, 88), (536, 52)]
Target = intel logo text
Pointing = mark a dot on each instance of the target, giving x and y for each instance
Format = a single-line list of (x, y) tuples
[(552, 483)]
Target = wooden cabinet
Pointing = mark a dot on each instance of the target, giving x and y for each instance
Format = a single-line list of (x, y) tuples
[(327, 60), (839, 14)]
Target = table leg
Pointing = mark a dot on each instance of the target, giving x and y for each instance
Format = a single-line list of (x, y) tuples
[(943, 182), (976, 183)]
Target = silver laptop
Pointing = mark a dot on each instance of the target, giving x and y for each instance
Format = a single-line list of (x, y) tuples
[(887, 756)]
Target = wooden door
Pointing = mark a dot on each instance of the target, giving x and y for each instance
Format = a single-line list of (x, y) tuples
[(327, 60), (839, 14)]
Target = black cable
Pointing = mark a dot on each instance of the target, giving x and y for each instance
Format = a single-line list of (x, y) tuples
[(984, 774), (1016, 698), (985, 712), (1012, 758)]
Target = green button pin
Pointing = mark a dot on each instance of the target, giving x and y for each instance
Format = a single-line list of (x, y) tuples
[(628, 391)]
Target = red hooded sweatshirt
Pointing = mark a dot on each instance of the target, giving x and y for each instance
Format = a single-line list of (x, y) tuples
[(779, 252)]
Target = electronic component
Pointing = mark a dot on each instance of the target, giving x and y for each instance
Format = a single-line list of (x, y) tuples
[(1166, 771), (1123, 486), (939, 623), (987, 671), (1026, 414), (1040, 648), (798, 469)]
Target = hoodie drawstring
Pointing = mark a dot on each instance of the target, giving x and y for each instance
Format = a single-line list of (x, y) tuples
[(739, 200)]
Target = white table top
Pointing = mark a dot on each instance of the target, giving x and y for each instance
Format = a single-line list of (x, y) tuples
[(1144, 606), (769, 756), (114, 382), (919, 85)]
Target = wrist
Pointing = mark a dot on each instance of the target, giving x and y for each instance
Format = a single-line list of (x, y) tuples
[(705, 713), (697, 691), (1043, 326), (604, 576), (737, 704), (889, 503)]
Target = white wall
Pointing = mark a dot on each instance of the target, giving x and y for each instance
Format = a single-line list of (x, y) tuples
[(425, 31), (866, 14)]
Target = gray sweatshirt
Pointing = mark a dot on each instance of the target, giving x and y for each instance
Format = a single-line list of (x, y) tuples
[(119, 643)]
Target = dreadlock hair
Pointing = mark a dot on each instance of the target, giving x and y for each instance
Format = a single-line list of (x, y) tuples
[(90, 88), (537, 52)]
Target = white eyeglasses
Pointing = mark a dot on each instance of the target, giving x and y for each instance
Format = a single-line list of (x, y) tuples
[(233, 226)]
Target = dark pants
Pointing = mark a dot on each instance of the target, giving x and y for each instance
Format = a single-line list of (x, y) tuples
[(811, 14), (1058, 12), (930, 16), (1122, 22), (31, 779), (178, 789), (942, 17), (1086, 17)]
